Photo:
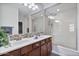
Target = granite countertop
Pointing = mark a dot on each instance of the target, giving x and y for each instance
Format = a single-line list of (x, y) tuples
[(21, 43)]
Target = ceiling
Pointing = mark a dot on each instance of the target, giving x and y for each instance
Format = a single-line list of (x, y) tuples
[(24, 11)]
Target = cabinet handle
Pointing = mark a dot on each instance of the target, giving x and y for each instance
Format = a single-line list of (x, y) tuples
[(43, 42), (37, 44), (11, 55)]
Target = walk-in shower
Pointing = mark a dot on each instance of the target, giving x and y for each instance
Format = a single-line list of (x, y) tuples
[(59, 20)]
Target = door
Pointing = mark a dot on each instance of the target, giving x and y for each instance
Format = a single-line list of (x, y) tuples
[(20, 25), (25, 50)]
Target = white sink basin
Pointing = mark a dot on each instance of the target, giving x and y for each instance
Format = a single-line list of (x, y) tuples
[(14, 43), (23, 41)]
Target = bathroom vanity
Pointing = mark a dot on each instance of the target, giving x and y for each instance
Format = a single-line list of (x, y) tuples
[(42, 46)]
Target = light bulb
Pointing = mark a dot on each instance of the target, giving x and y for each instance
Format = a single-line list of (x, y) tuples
[(58, 9), (33, 8), (57, 21), (36, 6), (41, 15), (25, 4), (51, 17), (30, 6)]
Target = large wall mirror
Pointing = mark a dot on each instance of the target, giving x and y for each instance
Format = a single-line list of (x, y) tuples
[(60, 22)]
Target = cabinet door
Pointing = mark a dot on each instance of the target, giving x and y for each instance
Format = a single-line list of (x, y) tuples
[(49, 46), (25, 50), (44, 50), (36, 45), (35, 52)]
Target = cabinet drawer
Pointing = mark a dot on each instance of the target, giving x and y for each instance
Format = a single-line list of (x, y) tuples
[(35, 52), (36, 45), (26, 49), (13, 53), (48, 39), (43, 42)]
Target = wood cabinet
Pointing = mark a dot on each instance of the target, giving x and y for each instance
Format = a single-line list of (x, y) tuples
[(40, 48), (25, 50)]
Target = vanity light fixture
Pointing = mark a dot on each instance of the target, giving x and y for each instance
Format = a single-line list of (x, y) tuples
[(32, 6), (41, 15), (57, 21), (35, 7), (51, 17), (25, 4), (58, 10)]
